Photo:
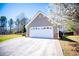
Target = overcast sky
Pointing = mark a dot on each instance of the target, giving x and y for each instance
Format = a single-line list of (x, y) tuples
[(12, 10)]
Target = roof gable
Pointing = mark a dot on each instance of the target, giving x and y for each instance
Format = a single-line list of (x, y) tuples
[(39, 15)]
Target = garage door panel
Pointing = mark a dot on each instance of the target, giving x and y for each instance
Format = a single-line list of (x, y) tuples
[(41, 32)]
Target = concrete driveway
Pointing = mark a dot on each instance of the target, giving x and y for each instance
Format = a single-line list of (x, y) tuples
[(30, 47)]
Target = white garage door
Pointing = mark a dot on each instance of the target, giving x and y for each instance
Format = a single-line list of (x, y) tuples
[(41, 32)]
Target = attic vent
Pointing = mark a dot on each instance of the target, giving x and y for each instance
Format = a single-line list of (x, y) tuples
[(40, 15)]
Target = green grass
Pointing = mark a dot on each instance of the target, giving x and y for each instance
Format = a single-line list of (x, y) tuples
[(10, 36), (74, 37)]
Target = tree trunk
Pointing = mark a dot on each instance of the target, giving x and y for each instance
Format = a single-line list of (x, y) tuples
[(10, 29)]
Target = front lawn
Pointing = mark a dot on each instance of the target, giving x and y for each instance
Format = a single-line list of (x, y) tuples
[(75, 38), (70, 45), (9, 36)]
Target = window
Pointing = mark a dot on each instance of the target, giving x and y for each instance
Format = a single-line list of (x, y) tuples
[(50, 27), (36, 28), (47, 27), (44, 28)]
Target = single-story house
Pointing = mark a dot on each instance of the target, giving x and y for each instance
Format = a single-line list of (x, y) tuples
[(41, 26)]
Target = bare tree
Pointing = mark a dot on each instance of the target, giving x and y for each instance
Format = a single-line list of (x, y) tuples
[(21, 22), (11, 24), (17, 25)]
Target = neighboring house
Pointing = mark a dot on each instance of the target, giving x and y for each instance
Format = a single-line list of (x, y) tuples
[(42, 27)]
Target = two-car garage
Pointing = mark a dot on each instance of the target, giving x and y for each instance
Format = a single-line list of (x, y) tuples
[(40, 26), (41, 32)]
